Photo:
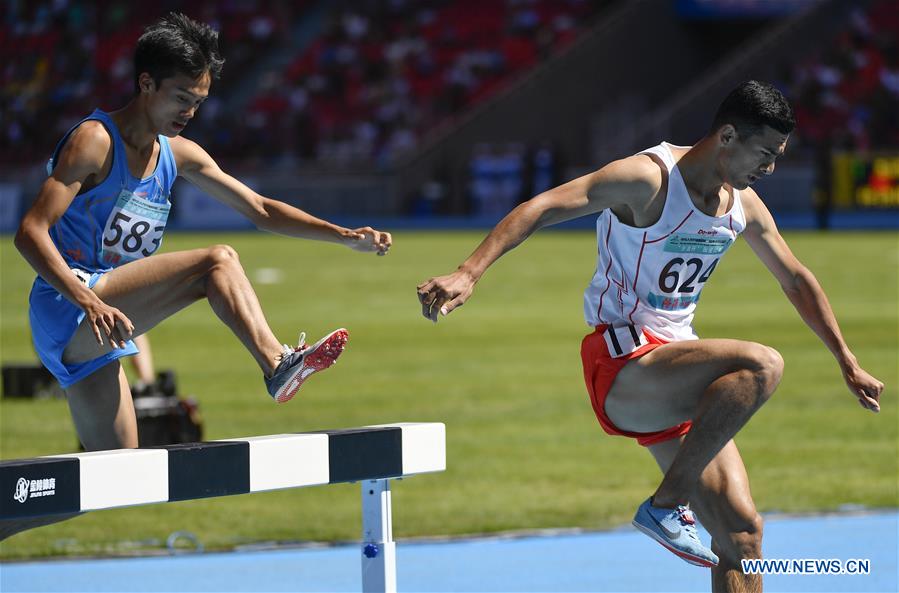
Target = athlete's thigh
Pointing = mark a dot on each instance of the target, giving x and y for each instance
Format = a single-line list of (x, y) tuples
[(146, 291), (662, 388), (152, 282)]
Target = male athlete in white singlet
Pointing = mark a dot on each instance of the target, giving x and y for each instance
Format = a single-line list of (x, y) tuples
[(668, 215)]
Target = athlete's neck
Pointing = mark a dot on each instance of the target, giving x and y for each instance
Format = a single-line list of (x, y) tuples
[(135, 126), (699, 170)]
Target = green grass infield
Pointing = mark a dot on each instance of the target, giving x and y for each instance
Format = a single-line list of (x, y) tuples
[(503, 373)]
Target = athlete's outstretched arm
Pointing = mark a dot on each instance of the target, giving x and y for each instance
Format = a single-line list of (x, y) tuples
[(82, 158), (195, 165), (629, 182), (806, 294)]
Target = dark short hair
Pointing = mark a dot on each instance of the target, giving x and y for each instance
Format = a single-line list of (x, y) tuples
[(753, 105), (177, 45)]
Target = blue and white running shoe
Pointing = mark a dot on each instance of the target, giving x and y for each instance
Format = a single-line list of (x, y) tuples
[(676, 530), (298, 363)]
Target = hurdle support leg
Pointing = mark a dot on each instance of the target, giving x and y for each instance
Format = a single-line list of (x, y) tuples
[(378, 547)]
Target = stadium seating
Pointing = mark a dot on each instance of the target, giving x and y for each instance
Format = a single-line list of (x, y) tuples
[(380, 75)]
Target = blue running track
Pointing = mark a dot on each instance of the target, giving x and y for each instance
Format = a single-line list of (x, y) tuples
[(619, 560)]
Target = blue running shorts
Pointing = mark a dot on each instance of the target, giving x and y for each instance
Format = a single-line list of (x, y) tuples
[(54, 320)]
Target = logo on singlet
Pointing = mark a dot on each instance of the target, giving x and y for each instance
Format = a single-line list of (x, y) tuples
[(670, 303), (700, 242)]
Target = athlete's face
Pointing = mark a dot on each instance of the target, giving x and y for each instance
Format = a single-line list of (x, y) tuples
[(742, 160), (175, 101)]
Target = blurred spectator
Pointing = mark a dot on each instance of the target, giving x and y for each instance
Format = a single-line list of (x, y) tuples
[(544, 167), (61, 58), (500, 178), (497, 178), (431, 199), (380, 76), (848, 96)]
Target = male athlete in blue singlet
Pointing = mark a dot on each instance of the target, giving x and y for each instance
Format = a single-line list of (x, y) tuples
[(668, 214), (99, 218)]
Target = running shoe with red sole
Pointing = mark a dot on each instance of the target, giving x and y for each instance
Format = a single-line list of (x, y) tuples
[(297, 364)]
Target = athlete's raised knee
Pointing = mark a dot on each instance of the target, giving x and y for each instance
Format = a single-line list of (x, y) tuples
[(223, 259), (767, 369), (222, 254)]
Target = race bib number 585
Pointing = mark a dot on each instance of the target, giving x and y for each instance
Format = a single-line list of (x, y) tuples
[(134, 229)]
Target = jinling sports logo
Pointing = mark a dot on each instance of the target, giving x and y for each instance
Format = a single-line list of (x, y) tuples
[(21, 490), (26, 489)]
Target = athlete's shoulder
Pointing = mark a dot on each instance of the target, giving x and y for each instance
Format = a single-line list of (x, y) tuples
[(749, 194), (182, 147), (638, 168), (752, 203), (188, 154), (182, 143), (87, 149), (635, 177), (758, 217)]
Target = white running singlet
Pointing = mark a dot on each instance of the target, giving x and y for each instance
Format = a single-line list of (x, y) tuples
[(650, 278)]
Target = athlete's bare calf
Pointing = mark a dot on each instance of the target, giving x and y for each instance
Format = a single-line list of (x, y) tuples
[(724, 504), (718, 384), (146, 292)]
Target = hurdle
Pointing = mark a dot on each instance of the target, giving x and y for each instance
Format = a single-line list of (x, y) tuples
[(371, 455)]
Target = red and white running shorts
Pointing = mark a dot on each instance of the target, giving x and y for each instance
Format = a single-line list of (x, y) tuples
[(601, 368)]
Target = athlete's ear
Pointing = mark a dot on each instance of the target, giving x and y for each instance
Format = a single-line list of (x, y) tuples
[(727, 134), (146, 82)]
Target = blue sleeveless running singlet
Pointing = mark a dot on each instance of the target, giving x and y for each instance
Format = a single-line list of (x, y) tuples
[(120, 220)]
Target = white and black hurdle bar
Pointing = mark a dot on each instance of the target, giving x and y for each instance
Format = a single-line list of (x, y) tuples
[(372, 455)]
